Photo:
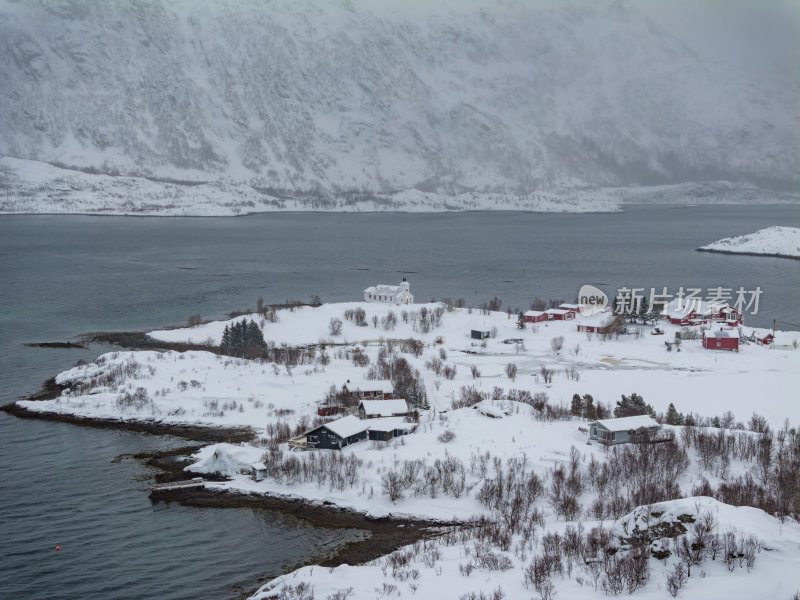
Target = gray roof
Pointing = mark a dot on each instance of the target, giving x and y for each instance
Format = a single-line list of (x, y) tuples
[(626, 423)]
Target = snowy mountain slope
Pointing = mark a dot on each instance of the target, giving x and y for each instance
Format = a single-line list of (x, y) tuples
[(321, 97)]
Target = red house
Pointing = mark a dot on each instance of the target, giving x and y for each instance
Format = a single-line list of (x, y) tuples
[(731, 316), (557, 314), (720, 340), (535, 316), (700, 312)]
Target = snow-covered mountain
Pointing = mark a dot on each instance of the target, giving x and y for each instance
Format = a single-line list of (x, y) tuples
[(329, 98)]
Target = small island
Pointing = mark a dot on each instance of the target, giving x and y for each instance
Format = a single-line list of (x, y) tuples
[(779, 242)]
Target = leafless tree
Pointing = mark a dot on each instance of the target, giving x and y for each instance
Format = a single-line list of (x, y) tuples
[(557, 343), (511, 371), (335, 326)]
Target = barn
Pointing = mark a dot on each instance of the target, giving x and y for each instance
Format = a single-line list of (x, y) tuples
[(535, 316), (625, 430), (720, 340), (337, 434), (373, 409)]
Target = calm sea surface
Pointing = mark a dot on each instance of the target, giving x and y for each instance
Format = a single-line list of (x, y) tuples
[(61, 276)]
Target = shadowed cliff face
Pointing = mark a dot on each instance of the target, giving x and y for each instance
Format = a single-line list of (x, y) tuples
[(340, 96)]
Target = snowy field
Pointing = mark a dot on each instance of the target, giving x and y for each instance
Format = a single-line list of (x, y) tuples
[(772, 241), (466, 459), (180, 386)]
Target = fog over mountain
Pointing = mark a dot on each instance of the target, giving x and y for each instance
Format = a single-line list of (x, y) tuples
[(323, 98)]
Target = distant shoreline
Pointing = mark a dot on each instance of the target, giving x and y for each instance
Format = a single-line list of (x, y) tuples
[(747, 253)]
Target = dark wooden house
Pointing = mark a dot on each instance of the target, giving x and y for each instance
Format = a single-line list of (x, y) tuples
[(337, 434), (391, 427), (368, 390)]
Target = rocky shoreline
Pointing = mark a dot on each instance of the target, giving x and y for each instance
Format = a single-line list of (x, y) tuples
[(190, 432)]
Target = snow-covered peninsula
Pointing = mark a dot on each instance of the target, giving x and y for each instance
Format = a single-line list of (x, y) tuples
[(499, 433), (782, 242)]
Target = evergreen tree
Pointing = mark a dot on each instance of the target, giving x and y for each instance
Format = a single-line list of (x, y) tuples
[(716, 423), (689, 421), (521, 321), (577, 405), (644, 306), (601, 410), (673, 416), (589, 411), (632, 406), (225, 344)]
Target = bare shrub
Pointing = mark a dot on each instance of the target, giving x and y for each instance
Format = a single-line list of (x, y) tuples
[(434, 364), (572, 373), (557, 343), (335, 326), (446, 436), (392, 485), (470, 396), (511, 371)]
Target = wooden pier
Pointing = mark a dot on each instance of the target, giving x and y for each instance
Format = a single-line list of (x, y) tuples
[(197, 482)]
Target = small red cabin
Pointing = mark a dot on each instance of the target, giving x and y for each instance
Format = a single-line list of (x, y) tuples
[(720, 340), (535, 316)]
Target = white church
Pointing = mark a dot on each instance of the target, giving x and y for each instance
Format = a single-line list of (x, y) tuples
[(390, 294)]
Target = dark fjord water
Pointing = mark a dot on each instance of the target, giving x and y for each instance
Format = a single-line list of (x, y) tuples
[(59, 487), (63, 276)]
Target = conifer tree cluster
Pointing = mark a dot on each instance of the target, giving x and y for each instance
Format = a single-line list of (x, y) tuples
[(633, 405), (243, 339), (586, 408)]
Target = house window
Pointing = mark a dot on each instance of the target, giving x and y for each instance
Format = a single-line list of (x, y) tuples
[(719, 344), (312, 439), (613, 435)]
